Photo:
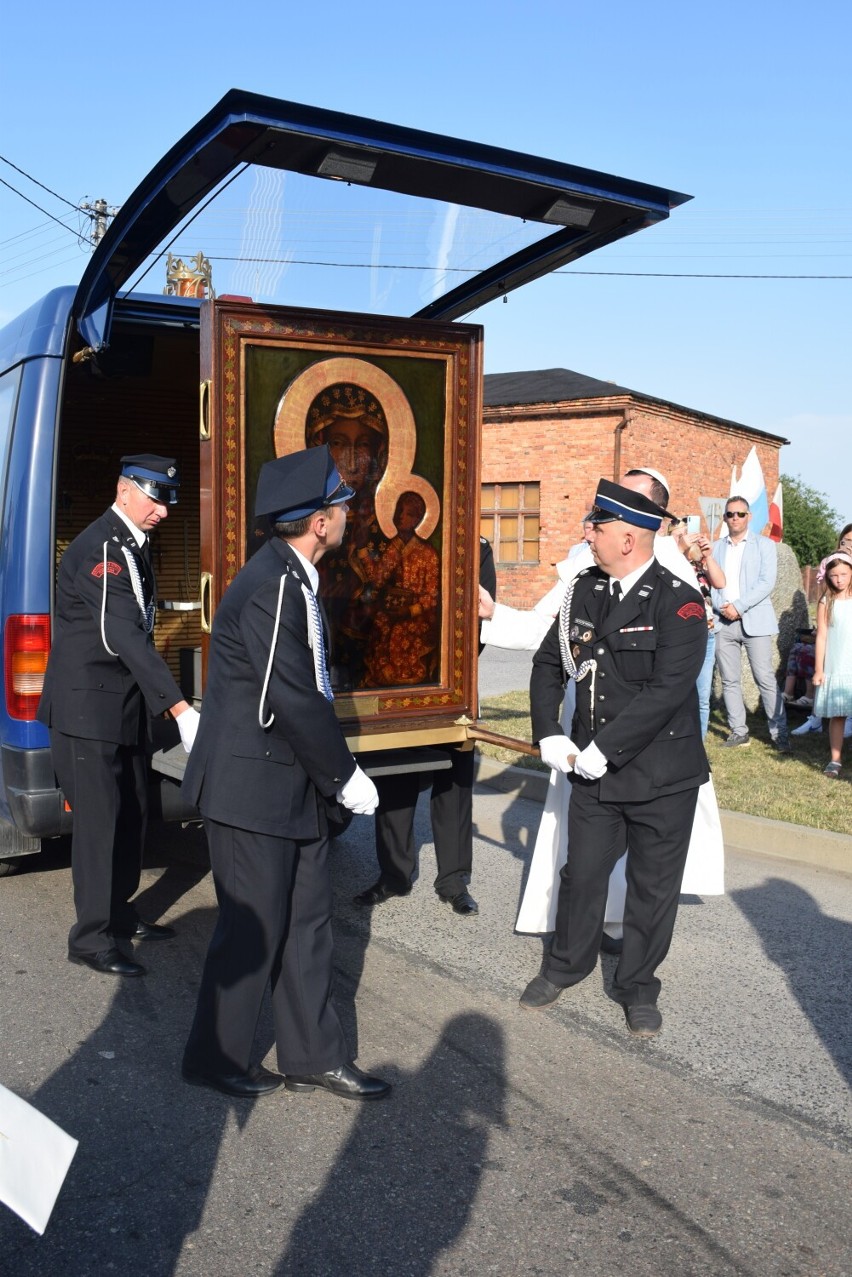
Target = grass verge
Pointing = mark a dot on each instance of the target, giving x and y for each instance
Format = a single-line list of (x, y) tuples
[(756, 780)]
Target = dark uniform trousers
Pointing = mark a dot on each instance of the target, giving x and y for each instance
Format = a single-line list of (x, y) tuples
[(450, 805), (268, 887), (657, 833), (451, 810), (106, 787)]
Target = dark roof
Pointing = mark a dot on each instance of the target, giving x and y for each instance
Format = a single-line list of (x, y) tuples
[(561, 385), (548, 385)]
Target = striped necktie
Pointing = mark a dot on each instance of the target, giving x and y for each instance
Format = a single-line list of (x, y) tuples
[(320, 667)]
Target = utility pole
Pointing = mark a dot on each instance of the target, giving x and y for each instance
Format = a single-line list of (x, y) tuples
[(99, 212)]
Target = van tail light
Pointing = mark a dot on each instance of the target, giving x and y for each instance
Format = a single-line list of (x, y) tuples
[(25, 651)]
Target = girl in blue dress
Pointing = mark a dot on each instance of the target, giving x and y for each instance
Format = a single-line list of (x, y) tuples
[(833, 659)]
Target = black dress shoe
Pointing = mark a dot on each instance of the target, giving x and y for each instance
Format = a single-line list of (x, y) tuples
[(540, 993), (380, 892), (643, 1019), (108, 962), (610, 945), (347, 1081), (151, 931), (463, 903), (244, 1086)]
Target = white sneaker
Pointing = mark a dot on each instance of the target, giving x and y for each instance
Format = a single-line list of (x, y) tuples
[(810, 724)]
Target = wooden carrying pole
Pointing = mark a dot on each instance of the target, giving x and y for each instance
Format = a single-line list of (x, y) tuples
[(507, 742)]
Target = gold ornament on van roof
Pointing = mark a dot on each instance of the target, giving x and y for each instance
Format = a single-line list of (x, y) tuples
[(189, 279)]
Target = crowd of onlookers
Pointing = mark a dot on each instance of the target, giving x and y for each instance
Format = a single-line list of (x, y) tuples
[(819, 666), (818, 675)]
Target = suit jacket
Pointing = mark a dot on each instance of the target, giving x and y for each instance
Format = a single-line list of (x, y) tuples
[(89, 692), (641, 707), (265, 779), (757, 581)]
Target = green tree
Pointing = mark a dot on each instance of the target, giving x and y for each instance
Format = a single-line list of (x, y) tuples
[(810, 524)]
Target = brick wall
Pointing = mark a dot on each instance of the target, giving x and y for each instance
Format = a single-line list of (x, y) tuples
[(566, 448)]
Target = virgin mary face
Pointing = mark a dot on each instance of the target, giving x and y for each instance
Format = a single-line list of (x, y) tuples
[(356, 449)]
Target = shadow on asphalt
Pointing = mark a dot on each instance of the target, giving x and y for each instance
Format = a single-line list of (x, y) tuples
[(813, 950), (401, 1191)]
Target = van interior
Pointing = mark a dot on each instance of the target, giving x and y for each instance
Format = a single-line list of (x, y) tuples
[(141, 395)]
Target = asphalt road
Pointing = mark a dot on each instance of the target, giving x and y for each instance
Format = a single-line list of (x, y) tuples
[(514, 1142), (501, 670)]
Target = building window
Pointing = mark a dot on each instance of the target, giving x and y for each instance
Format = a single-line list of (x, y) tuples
[(509, 519)]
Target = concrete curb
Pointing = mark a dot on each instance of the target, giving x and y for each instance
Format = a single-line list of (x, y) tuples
[(753, 835)]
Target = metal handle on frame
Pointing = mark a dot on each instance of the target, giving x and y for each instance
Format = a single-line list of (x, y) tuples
[(204, 410), (206, 597)]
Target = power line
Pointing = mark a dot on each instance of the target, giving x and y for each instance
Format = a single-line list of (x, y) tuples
[(35, 180), (687, 275), (3, 182), (463, 270)]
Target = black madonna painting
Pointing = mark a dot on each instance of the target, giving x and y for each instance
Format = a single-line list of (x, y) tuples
[(398, 403), (382, 588)]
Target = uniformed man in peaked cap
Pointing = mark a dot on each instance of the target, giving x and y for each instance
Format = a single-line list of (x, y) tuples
[(102, 676), (269, 765), (632, 635)]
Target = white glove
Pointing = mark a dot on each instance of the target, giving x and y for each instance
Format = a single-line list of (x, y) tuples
[(359, 794), (555, 750), (590, 763), (188, 726)]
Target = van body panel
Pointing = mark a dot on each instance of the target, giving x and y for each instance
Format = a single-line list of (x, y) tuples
[(38, 331)]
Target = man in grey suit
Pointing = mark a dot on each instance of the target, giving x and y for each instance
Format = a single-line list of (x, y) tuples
[(745, 618)]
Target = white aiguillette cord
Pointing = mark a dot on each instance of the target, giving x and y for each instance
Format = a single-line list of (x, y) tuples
[(314, 642), (148, 612), (569, 665)]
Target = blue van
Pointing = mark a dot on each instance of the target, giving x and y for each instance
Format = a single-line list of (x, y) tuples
[(91, 372)]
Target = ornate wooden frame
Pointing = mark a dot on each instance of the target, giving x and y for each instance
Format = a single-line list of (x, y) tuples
[(261, 368)]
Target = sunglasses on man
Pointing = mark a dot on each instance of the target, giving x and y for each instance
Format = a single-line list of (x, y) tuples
[(736, 514)]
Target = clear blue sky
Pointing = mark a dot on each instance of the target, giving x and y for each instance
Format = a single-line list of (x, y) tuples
[(745, 106)]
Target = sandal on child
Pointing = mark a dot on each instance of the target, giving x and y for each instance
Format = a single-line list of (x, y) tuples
[(832, 771)]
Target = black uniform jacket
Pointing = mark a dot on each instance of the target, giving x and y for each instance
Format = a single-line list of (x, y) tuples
[(641, 709), (265, 779), (87, 691)]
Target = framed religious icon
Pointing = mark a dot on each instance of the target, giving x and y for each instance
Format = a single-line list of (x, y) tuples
[(398, 401)]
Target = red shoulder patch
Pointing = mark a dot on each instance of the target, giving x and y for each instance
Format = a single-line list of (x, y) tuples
[(692, 609), (114, 569)]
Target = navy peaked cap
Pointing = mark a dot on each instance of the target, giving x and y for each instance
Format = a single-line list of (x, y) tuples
[(299, 484), (612, 502), (156, 476)]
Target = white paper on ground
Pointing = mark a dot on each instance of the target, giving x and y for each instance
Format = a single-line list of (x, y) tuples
[(34, 1158)]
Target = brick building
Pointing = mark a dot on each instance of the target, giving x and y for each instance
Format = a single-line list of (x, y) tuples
[(548, 437)]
